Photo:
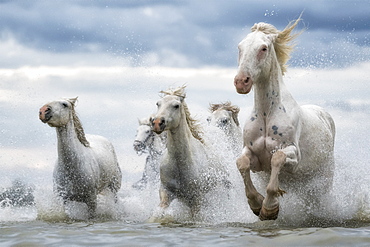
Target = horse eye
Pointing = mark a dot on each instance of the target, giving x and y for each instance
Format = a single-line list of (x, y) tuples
[(64, 104), (176, 106), (147, 132), (158, 104), (264, 49)]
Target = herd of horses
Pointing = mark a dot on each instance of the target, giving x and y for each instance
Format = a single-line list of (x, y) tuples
[(286, 145)]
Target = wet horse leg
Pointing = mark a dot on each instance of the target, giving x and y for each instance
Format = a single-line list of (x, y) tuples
[(255, 199), (270, 205), (165, 197), (91, 206)]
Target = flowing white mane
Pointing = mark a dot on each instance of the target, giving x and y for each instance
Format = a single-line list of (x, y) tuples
[(282, 45)]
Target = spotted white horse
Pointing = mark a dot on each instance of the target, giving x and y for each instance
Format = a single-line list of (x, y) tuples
[(86, 164), (293, 144)]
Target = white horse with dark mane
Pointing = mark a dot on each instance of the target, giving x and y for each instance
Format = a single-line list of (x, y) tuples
[(86, 164), (146, 141), (224, 116), (187, 170), (293, 144)]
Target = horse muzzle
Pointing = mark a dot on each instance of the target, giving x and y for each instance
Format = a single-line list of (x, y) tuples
[(139, 146), (243, 84), (158, 125), (223, 123), (45, 114)]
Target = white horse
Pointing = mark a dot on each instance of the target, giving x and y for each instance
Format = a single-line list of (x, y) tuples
[(225, 117), (187, 170), (293, 144), (146, 141), (86, 164)]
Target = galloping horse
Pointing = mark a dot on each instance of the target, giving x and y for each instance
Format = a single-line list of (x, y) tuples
[(147, 141), (86, 164), (225, 117), (187, 170), (293, 144)]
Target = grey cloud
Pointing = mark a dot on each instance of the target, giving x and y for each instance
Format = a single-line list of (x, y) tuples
[(193, 33)]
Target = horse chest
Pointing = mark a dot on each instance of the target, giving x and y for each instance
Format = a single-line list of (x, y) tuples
[(264, 136)]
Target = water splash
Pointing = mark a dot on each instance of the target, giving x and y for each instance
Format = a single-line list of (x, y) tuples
[(347, 204)]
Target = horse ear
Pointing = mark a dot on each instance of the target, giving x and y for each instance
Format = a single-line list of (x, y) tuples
[(145, 120), (73, 100), (141, 121)]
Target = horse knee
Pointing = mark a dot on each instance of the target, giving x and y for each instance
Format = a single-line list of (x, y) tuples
[(278, 159), (243, 164)]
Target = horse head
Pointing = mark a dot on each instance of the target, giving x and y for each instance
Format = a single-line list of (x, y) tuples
[(224, 116), (144, 136), (169, 113), (259, 50), (172, 111), (57, 113), (61, 112)]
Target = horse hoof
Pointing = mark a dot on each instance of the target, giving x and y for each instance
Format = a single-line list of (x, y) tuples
[(256, 211), (269, 214)]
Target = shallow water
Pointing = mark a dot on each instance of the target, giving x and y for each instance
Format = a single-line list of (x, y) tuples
[(126, 223), (123, 233)]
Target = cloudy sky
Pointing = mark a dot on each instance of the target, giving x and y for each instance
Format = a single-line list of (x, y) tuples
[(176, 33), (117, 55)]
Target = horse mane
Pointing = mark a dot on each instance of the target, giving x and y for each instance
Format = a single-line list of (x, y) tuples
[(77, 124), (282, 40), (228, 107), (193, 124)]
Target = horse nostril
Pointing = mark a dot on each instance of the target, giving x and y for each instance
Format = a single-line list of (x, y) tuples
[(162, 122), (222, 122), (246, 80), (159, 124)]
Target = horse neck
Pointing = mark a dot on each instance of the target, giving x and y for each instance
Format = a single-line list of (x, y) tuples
[(178, 141), (270, 91), (69, 146)]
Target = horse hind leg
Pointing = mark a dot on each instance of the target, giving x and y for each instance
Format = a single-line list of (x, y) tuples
[(255, 199), (270, 205), (114, 190), (115, 185)]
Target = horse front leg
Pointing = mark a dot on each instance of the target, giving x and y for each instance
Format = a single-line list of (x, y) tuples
[(270, 205), (165, 197), (91, 203), (255, 199)]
